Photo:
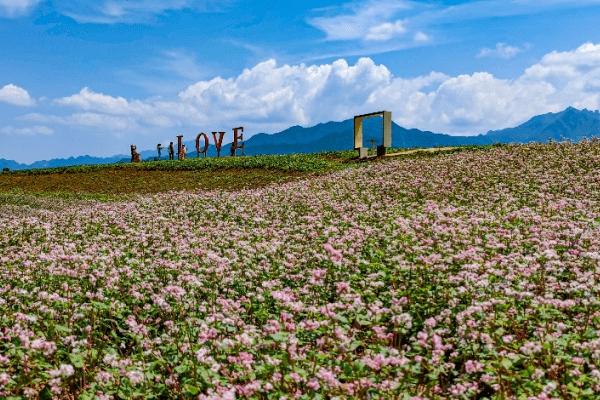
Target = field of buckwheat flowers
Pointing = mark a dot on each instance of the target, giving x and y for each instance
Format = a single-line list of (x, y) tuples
[(465, 275)]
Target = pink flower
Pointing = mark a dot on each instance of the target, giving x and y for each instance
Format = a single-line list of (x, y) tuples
[(328, 377), (135, 377), (313, 384), (473, 366), (334, 255), (342, 287), (64, 371), (175, 291), (318, 275), (4, 379), (375, 363), (103, 377), (430, 322)]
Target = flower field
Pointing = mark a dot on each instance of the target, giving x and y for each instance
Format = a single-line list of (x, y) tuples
[(465, 275)]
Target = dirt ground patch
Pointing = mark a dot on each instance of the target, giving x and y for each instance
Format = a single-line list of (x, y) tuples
[(125, 181)]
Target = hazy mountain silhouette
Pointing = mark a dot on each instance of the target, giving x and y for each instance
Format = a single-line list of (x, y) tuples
[(62, 162), (570, 124)]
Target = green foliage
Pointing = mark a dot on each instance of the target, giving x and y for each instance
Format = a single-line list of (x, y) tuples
[(292, 162)]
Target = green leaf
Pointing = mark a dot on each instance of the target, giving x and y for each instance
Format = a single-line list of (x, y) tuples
[(77, 360), (181, 369), (506, 363), (100, 305), (86, 396), (279, 336), (191, 389), (61, 329), (46, 394)]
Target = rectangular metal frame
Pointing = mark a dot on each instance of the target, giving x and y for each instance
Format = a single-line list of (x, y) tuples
[(386, 125)]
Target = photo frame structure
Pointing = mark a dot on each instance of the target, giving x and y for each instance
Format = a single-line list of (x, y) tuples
[(387, 133)]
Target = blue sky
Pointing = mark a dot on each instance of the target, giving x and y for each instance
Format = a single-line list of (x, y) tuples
[(92, 77)]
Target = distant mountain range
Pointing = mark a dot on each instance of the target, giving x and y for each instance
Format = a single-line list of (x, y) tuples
[(570, 124)]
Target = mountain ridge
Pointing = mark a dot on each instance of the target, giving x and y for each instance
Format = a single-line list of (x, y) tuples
[(569, 124)]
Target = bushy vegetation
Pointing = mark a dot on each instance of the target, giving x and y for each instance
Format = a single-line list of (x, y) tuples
[(466, 275), (293, 162)]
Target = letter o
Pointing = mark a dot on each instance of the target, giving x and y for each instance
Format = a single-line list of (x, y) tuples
[(205, 148)]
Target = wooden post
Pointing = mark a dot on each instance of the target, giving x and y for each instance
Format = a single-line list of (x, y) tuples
[(179, 146)]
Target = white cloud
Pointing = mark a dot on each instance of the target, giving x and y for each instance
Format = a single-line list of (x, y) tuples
[(27, 131), (16, 96), (116, 125), (133, 11), (421, 37), (502, 50), (269, 97), (386, 30), (280, 94), (574, 74), (385, 20), (112, 11), (104, 108), (16, 8), (368, 20), (86, 99)]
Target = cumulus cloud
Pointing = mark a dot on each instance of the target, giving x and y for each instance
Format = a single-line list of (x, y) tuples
[(282, 93), (118, 112), (575, 75), (502, 50), (269, 96), (87, 99), (15, 95), (16, 8)]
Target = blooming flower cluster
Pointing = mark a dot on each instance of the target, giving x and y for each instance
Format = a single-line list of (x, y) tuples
[(472, 274)]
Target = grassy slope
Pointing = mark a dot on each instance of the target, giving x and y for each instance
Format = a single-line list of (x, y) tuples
[(116, 181)]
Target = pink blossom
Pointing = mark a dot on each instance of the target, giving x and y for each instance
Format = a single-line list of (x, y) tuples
[(334, 255)]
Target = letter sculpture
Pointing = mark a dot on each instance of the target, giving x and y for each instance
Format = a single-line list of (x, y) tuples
[(238, 140), (237, 144), (179, 146), (204, 150), (219, 142)]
